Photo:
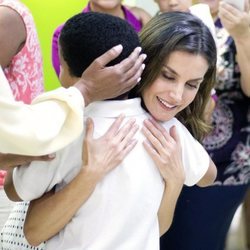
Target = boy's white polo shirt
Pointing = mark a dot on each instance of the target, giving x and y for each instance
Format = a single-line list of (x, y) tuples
[(121, 213)]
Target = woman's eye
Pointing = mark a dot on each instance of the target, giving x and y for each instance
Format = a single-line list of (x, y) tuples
[(193, 86), (168, 77)]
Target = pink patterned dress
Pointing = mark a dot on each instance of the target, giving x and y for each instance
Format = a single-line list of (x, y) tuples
[(25, 73)]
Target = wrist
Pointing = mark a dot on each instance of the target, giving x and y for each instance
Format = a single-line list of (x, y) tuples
[(174, 187), (81, 86), (89, 176)]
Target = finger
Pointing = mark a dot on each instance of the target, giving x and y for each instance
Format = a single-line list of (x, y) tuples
[(108, 56), (230, 9), (114, 128), (136, 70), (129, 62), (133, 77), (124, 130), (89, 129), (43, 158), (128, 148), (174, 134), (152, 139), (129, 135), (158, 131), (152, 152)]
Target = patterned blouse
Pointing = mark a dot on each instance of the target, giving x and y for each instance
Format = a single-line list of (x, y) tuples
[(229, 142), (25, 73)]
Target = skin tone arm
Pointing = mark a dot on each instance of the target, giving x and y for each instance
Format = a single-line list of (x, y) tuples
[(100, 156), (237, 23), (8, 161), (165, 150), (140, 13), (12, 35), (97, 82), (209, 176)]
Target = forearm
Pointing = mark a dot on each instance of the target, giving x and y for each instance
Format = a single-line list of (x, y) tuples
[(53, 121), (243, 58), (209, 176), (167, 207), (48, 215), (9, 187)]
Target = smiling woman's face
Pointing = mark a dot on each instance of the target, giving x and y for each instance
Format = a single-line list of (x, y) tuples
[(176, 86)]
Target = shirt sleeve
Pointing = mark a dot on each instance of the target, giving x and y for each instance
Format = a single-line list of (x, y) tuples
[(195, 157), (39, 177), (52, 121)]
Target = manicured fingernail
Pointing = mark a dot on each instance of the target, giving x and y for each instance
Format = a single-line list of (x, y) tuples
[(118, 48), (139, 49)]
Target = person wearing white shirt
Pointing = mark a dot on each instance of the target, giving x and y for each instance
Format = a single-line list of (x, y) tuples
[(27, 130), (111, 217)]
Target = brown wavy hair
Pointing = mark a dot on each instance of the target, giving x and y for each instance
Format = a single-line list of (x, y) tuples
[(178, 31)]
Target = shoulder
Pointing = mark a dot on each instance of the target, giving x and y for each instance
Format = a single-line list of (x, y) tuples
[(140, 13)]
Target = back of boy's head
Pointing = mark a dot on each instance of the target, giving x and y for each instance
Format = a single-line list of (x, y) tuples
[(86, 36)]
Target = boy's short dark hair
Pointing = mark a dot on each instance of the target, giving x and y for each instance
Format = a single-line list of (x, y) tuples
[(86, 36)]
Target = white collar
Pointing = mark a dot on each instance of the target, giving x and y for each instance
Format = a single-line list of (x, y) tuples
[(129, 107)]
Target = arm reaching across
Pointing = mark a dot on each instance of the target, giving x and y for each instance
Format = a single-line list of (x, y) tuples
[(100, 157), (55, 119)]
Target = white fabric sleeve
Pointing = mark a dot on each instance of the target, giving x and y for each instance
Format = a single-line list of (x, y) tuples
[(52, 121), (195, 157), (32, 181)]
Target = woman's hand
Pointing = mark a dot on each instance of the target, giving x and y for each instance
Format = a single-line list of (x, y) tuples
[(11, 160), (102, 155), (165, 149), (47, 215), (236, 22)]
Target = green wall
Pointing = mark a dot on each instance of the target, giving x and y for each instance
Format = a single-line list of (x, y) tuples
[(48, 14)]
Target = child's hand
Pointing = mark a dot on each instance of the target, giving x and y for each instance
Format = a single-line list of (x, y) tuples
[(102, 155), (165, 149)]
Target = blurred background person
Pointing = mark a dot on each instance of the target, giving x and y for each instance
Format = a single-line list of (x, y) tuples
[(136, 16), (203, 216)]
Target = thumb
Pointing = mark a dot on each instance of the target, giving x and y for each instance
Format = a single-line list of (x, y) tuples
[(89, 129)]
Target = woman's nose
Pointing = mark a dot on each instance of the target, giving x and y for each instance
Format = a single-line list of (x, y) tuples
[(176, 94)]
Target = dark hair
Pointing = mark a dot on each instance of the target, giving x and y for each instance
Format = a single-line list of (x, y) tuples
[(179, 31), (86, 36)]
